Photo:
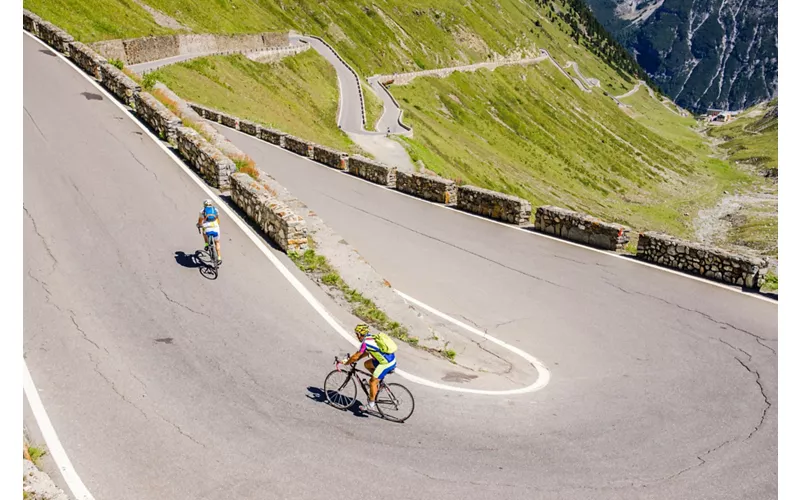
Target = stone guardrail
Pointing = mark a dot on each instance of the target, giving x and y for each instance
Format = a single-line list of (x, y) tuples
[(280, 224), (153, 48), (358, 81), (229, 121), (87, 59), (331, 157), (298, 146), (372, 171), (158, 117), (702, 260), (493, 205), (213, 166), (31, 22), (249, 128), (55, 36), (428, 187), (272, 136), (581, 228), (119, 84)]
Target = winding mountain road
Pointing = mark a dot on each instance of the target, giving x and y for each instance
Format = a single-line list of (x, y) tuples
[(163, 384)]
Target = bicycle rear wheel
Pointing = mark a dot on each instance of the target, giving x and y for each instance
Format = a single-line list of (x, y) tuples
[(395, 402), (340, 389)]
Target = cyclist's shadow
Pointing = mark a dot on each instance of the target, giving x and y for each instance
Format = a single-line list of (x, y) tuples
[(195, 261), (318, 395)]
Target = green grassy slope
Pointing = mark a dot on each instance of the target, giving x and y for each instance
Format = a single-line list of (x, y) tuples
[(530, 132), (297, 94), (751, 139)]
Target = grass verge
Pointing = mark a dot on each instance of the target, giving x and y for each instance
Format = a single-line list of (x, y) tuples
[(318, 267), (770, 282), (373, 106)]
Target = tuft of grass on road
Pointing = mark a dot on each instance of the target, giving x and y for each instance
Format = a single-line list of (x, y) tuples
[(297, 94)]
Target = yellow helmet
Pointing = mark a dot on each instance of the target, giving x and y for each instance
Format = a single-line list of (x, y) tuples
[(361, 329)]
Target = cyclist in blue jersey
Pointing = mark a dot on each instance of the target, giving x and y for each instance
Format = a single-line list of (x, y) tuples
[(209, 221), (380, 363)]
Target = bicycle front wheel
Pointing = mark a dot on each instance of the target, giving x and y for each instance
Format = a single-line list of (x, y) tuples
[(395, 402), (340, 389)]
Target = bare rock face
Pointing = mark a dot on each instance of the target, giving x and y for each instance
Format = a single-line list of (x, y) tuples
[(704, 54)]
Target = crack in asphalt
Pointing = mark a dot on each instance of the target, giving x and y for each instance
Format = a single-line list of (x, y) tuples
[(767, 402), (132, 154), (35, 124), (519, 271), (170, 299), (114, 387), (41, 237), (707, 316), (178, 428), (749, 357)]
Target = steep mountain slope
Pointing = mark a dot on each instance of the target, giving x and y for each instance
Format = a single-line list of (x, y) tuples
[(702, 53)]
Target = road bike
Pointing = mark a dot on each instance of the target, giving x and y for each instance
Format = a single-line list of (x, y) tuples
[(211, 252), (394, 401)]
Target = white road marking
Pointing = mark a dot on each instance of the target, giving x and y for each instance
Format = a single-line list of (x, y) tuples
[(54, 447), (542, 380), (544, 373), (730, 288)]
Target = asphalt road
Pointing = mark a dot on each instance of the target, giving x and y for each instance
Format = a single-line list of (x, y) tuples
[(162, 384)]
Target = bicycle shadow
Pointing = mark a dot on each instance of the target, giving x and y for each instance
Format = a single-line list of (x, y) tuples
[(318, 395), (196, 261)]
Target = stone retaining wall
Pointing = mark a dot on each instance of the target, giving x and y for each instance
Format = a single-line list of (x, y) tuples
[(695, 258), (152, 48), (87, 59), (581, 228), (330, 157), (214, 167), (428, 187), (271, 135), (372, 171), (280, 224), (494, 205), (249, 127), (119, 84), (298, 145), (55, 36), (157, 116), (229, 120), (31, 22)]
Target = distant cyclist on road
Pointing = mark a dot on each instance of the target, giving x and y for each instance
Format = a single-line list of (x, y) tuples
[(381, 349), (209, 221)]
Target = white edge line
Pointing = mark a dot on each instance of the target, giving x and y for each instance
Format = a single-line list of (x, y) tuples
[(76, 486), (304, 292), (517, 228)]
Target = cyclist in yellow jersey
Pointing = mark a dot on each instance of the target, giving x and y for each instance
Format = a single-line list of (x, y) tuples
[(209, 221), (380, 364)]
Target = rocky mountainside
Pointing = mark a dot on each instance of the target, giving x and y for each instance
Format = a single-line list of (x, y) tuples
[(702, 53)]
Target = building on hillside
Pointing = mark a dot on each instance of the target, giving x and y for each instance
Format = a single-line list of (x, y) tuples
[(718, 115)]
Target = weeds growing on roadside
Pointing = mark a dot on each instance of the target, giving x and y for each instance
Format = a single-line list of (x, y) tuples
[(310, 262), (149, 81), (246, 165), (116, 63), (36, 454)]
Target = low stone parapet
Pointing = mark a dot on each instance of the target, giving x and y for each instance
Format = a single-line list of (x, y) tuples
[(157, 116), (213, 166), (249, 128), (428, 187), (54, 36), (87, 59), (288, 230), (229, 120), (702, 260), (272, 136), (372, 171), (298, 145), (581, 228), (31, 22), (330, 157), (120, 84), (493, 205)]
